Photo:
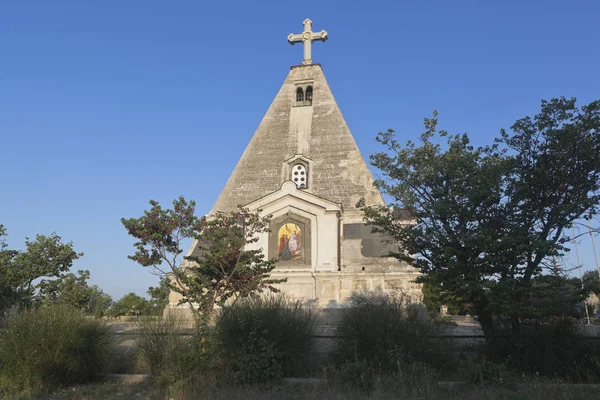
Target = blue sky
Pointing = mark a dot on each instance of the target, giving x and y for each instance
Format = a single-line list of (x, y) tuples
[(106, 105)]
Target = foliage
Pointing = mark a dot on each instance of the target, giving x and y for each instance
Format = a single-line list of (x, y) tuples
[(6, 257), (223, 265), (406, 386), (484, 372), (49, 347), (388, 331), (159, 297), (552, 347), (357, 375), (74, 290), (177, 359), (263, 339), (591, 282), (46, 256), (163, 348), (487, 220), (131, 304), (434, 297), (553, 295)]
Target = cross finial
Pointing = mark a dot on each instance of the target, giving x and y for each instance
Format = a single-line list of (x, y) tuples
[(307, 37)]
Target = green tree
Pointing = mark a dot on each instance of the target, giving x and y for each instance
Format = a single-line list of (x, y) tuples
[(130, 304), (435, 296), (6, 257), (591, 282), (553, 295), (159, 296), (44, 257), (100, 302), (74, 290), (488, 220), (222, 265)]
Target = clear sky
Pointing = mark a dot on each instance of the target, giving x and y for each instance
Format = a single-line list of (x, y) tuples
[(108, 104)]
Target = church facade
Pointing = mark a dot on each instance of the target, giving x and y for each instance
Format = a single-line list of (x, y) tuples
[(303, 168)]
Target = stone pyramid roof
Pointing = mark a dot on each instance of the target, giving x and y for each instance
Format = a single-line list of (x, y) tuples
[(316, 133)]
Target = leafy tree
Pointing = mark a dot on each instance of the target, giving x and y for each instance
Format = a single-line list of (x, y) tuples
[(591, 281), (488, 220), (222, 266), (6, 257), (46, 256), (100, 302), (130, 304), (435, 296), (553, 295), (74, 290), (159, 296)]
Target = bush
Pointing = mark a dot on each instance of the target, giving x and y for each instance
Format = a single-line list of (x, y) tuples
[(264, 339), (180, 362), (50, 347), (551, 347), (165, 350), (358, 375), (484, 372), (389, 331)]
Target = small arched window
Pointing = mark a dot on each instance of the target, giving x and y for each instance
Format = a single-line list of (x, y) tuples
[(309, 95), (299, 176), (299, 96)]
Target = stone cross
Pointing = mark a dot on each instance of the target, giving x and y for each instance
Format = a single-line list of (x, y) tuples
[(307, 37)]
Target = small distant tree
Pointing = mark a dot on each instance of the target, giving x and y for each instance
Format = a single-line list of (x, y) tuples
[(100, 302), (130, 305), (74, 290), (222, 266)]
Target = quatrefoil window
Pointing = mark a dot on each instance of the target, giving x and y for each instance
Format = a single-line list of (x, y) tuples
[(299, 176)]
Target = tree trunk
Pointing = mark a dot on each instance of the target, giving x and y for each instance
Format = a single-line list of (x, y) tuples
[(486, 319), (515, 324)]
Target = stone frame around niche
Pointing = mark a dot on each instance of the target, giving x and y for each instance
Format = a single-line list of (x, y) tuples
[(304, 225)]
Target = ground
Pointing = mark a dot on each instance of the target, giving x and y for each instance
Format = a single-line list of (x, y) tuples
[(119, 391)]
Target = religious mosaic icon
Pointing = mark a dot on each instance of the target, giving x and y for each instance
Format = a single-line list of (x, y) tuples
[(290, 242)]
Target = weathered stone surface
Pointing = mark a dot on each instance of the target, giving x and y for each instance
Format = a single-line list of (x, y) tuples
[(338, 171), (303, 168)]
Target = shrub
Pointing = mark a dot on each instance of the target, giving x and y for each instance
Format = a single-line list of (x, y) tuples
[(482, 371), (50, 347), (389, 331), (550, 347), (164, 349), (358, 375), (179, 361), (264, 339)]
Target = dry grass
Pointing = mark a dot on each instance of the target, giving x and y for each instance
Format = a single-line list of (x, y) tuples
[(529, 391)]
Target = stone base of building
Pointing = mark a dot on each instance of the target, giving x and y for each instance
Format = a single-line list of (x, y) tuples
[(328, 291)]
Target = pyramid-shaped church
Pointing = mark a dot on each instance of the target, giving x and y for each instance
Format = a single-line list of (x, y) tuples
[(303, 167)]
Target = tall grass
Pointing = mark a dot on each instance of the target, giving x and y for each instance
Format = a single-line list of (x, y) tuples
[(264, 339), (388, 332), (552, 347), (165, 350), (50, 347)]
